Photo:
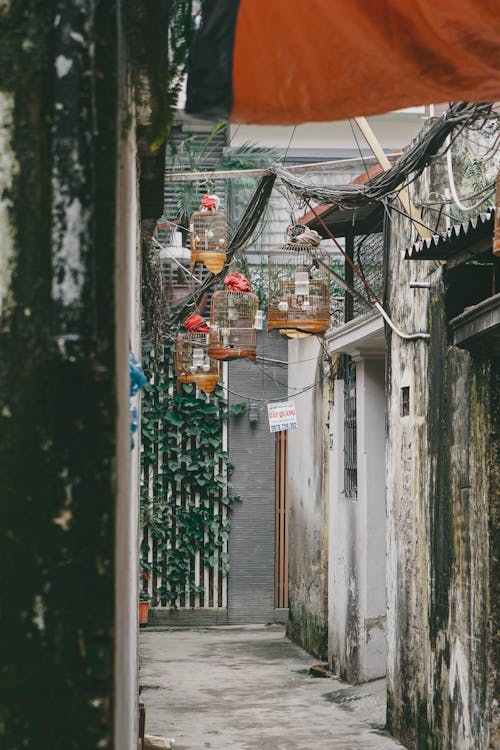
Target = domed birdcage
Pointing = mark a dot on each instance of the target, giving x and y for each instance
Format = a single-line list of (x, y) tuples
[(234, 320), (192, 363), (299, 284), (207, 232)]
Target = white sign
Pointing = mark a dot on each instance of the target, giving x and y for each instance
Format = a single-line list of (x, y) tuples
[(282, 416)]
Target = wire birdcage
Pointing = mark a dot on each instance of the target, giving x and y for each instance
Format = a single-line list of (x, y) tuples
[(192, 362), (208, 235), (233, 331), (299, 289)]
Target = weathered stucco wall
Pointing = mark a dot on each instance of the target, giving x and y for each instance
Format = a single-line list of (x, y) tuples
[(308, 498), (68, 206), (440, 665), (357, 603), (57, 370)]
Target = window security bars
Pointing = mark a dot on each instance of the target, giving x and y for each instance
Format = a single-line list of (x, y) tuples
[(350, 434)]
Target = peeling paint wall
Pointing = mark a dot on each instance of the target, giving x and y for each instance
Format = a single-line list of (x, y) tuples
[(59, 133), (441, 665), (357, 603), (308, 499), (493, 689), (8, 170)]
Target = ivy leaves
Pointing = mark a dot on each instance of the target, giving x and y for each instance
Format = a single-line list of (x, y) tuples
[(185, 498)]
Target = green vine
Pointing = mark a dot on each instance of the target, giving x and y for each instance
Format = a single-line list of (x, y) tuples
[(186, 498)]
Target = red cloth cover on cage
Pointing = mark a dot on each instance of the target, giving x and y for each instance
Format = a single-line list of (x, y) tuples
[(197, 324), (210, 202), (236, 282)]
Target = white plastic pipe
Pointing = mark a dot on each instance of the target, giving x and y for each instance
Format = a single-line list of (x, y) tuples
[(406, 336), (451, 181)]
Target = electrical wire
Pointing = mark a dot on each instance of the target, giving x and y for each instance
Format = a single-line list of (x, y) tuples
[(453, 187), (442, 212), (412, 162), (271, 377), (297, 393), (490, 188), (387, 217), (289, 144), (346, 256), (328, 373), (209, 178), (359, 147), (402, 212), (492, 150), (172, 257)]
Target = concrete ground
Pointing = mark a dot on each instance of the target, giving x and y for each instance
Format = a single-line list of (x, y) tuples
[(249, 688)]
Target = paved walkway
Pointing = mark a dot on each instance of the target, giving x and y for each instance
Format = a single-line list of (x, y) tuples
[(249, 688)]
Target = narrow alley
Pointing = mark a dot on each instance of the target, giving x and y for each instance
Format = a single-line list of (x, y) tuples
[(249, 688)]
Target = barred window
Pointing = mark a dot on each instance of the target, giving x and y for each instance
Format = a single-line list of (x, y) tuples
[(350, 433)]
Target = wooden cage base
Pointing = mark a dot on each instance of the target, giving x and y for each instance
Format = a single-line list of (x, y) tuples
[(229, 353), (305, 326), (205, 383), (213, 260)]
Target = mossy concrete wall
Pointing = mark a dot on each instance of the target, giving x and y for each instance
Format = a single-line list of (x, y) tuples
[(442, 505), (308, 499), (61, 123)]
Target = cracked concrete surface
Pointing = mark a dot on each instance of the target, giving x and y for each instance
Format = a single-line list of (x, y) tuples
[(248, 688)]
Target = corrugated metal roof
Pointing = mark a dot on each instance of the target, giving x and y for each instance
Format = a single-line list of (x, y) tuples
[(446, 244)]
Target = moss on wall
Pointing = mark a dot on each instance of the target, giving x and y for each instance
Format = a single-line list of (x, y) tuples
[(493, 675), (441, 518), (308, 506), (57, 390), (59, 69), (308, 630)]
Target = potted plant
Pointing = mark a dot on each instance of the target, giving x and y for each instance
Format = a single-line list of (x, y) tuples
[(143, 607), (144, 596)]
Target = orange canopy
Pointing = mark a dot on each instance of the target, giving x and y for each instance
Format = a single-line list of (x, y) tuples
[(277, 62)]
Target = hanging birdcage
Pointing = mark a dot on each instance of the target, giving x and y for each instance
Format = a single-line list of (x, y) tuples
[(299, 285), (192, 363), (207, 233), (234, 320)]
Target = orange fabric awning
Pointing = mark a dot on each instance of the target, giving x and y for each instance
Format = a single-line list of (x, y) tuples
[(275, 62)]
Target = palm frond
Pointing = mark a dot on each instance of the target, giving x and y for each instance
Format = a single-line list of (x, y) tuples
[(248, 156)]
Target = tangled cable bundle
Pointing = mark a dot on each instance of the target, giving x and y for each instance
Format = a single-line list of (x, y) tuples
[(412, 162), (381, 187)]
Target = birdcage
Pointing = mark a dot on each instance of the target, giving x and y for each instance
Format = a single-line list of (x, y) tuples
[(207, 232), (234, 320), (299, 286), (192, 363)]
